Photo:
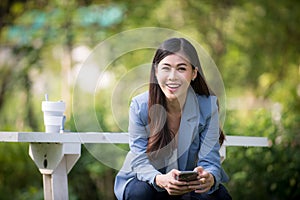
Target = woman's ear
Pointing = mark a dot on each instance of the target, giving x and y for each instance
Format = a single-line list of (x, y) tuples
[(195, 73)]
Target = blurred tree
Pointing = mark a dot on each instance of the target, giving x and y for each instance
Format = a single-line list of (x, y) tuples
[(30, 31), (254, 43)]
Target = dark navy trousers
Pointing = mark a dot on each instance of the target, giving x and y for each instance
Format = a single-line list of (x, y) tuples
[(140, 190)]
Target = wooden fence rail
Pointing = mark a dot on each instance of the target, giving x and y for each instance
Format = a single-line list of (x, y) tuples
[(55, 154)]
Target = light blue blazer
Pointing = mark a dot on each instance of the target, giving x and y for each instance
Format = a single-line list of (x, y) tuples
[(198, 142)]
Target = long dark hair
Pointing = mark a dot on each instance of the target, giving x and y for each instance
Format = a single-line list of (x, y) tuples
[(160, 135)]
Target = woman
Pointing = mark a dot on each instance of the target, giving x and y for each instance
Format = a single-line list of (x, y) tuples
[(173, 127)]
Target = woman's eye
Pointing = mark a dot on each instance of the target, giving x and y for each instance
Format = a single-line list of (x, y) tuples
[(165, 68), (181, 69)]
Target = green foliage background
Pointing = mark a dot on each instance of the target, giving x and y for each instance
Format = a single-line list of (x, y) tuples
[(255, 45)]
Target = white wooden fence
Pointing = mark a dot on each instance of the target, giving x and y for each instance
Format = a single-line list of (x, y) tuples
[(56, 153)]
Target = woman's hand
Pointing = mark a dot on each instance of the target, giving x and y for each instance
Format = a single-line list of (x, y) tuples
[(173, 186), (204, 183)]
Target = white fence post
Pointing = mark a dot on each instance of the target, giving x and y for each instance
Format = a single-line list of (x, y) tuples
[(55, 161)]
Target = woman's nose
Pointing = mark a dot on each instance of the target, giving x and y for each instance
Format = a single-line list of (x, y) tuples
[(172, 75)]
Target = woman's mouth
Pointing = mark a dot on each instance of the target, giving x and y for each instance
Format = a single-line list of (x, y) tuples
[(173, 87)]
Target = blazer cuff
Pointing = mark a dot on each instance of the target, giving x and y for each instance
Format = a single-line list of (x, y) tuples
[(159, 189), (214, 187)]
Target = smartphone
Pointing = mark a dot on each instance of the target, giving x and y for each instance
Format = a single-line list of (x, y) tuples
[(187, 176)]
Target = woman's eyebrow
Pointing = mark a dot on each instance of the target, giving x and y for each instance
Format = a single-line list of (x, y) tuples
[(182, 64), (179, 64)]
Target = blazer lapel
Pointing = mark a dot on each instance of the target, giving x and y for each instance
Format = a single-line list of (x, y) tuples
[(188, 127)]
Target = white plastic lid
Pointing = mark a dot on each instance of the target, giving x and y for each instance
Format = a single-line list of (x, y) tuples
[(53, 106)]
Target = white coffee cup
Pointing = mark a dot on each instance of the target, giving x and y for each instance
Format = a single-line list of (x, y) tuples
[(53, 124), (53, 115)]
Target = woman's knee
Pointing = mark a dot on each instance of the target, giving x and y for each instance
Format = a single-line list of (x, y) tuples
[(223, 193), (136, 190), (219, 194)]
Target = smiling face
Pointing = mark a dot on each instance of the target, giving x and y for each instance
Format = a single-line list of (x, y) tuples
[(174, 74)]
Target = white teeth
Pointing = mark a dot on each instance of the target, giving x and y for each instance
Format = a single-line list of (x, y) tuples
[(173, 85)]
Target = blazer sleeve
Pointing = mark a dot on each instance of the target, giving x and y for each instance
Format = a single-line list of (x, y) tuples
[(208, 155), (138, 140)]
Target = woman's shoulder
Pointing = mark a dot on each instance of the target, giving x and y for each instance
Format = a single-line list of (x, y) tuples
[(204, 99), (140, 102), (139, 107), (207, 104), (141, 98)]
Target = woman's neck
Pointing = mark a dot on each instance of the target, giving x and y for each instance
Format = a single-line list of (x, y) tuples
[(175, 106), (174, 117)]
